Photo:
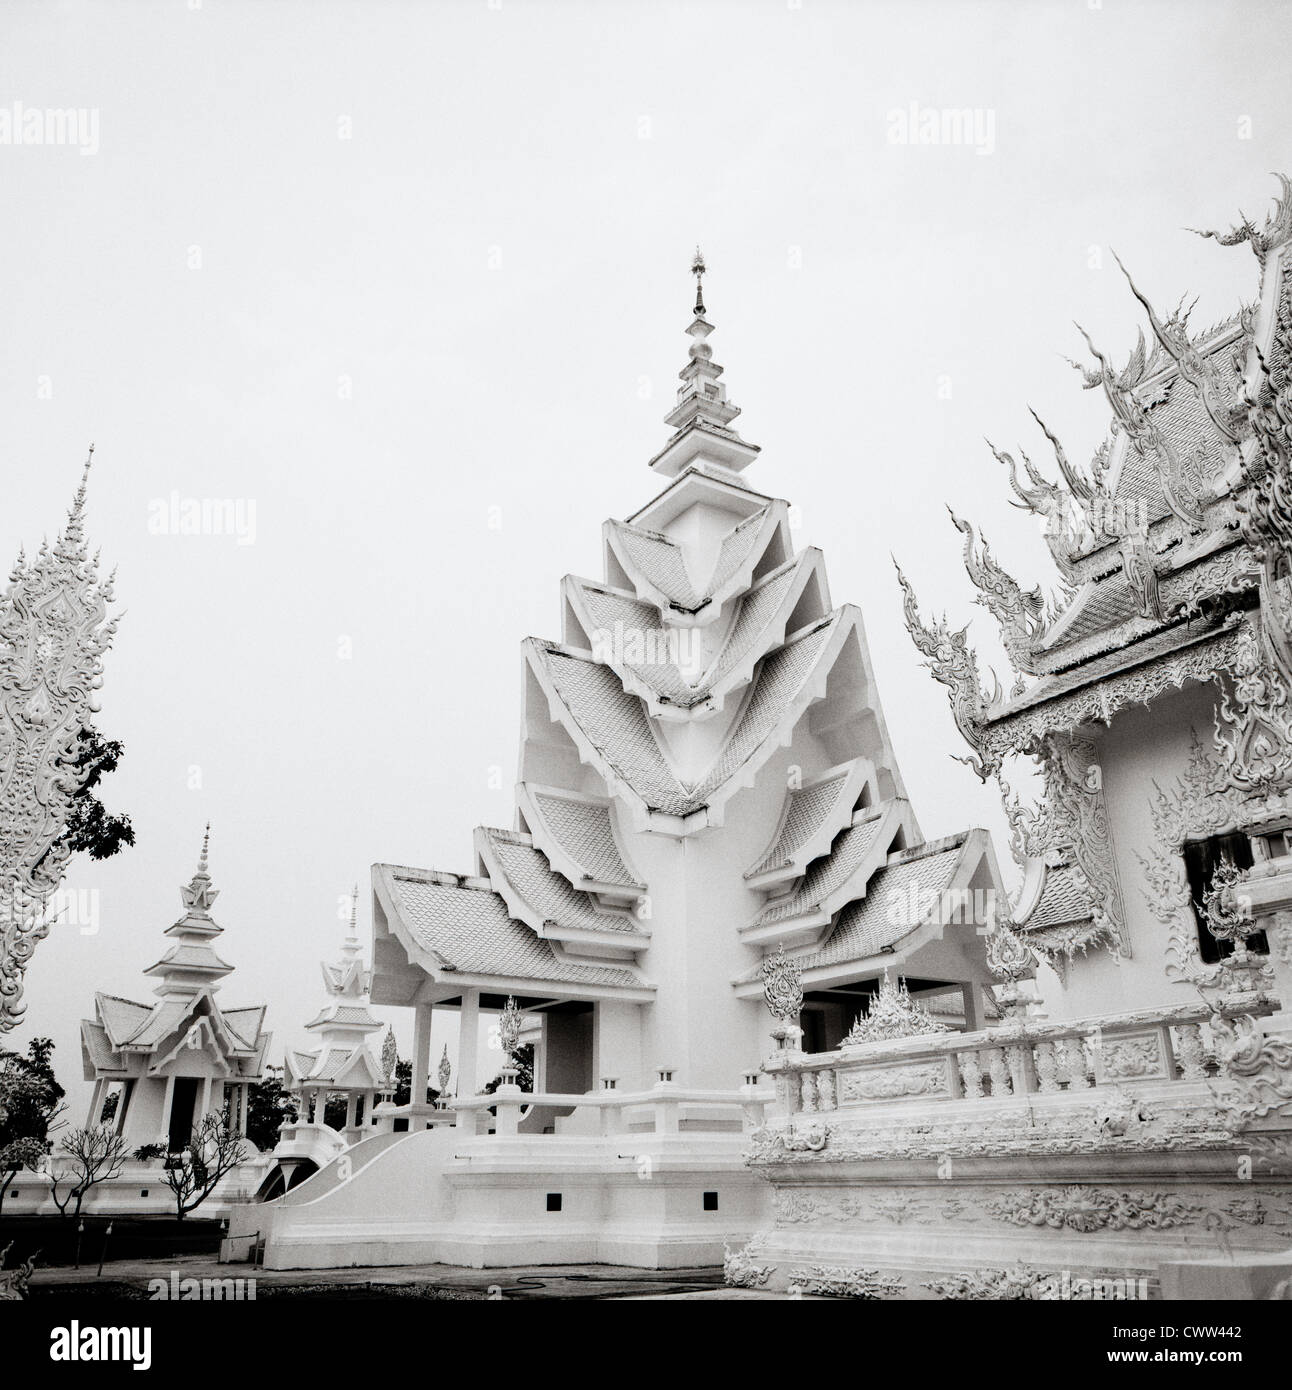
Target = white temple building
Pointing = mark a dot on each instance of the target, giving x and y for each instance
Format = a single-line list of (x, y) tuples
[(705, 776)]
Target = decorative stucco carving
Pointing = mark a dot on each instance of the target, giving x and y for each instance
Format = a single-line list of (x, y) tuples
[(892, 1013), (893, 1083), (1072, 826), (1129, 1058), (1018, 1282), (782, 987), (1198, 805), (1254, 720), (53, 634), (1257, 1070), (843, 1281), (1088, 1209), (1277, 228), (1022, 732), (740, 1272)]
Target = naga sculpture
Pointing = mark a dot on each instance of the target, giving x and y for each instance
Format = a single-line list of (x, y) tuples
[(952, 663), (1275, 232), (1018, 612)]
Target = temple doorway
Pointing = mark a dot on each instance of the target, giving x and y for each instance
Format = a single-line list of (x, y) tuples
[(183, 1101)]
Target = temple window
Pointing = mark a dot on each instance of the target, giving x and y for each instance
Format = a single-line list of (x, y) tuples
[(1201, 860)]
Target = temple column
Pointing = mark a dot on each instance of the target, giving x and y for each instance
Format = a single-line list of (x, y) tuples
[(166, 1107), (971, 992), (351, 1109), (616, 1044), (205, 1104), (96, 1103), (421, 1054), (468, 1042)]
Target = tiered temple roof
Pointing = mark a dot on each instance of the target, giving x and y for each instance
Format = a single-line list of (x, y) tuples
[(342, 1059), (706, 649)]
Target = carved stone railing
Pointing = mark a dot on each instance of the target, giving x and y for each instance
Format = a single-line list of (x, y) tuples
[(664, 1107), (1032, 1058)]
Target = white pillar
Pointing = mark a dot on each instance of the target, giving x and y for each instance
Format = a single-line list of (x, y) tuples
[(421, 1054), (96, 1103), (166, 1107), (206, 1101), (616, 1044), (351, 1103), (468, 1042), (972, 994)]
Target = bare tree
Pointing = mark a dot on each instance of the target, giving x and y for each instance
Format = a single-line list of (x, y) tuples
[(193, 1173), (85, 1157)]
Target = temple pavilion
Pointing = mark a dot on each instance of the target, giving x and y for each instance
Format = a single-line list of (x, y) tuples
[(342, 1064), (185, 1056)]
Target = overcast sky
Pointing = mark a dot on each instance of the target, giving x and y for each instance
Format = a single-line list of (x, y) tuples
[(408, 284)]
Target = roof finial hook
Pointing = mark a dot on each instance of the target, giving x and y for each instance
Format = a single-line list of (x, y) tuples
[(697, 269)]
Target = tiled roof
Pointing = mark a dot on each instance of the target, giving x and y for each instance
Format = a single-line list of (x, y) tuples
[(583, 830), (122, 1018), (166, 1018), (780, 677), (345, 1013), (1104, 603), (245, 1023), (735, 550), (616, 724), (828, 874), (807, 811), (546, 893), (469, 929), (757, 608), (98, 1046), (883, 916), (1177, 412), (610, 611), (659, 561), (187, 954), (1062, 902)]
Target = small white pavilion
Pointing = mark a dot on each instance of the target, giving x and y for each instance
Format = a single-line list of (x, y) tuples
[(183, 1057), (342, 1062)]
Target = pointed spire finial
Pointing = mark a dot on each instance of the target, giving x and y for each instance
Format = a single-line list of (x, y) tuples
[(354, 909), (697, 269), (206, 845)]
